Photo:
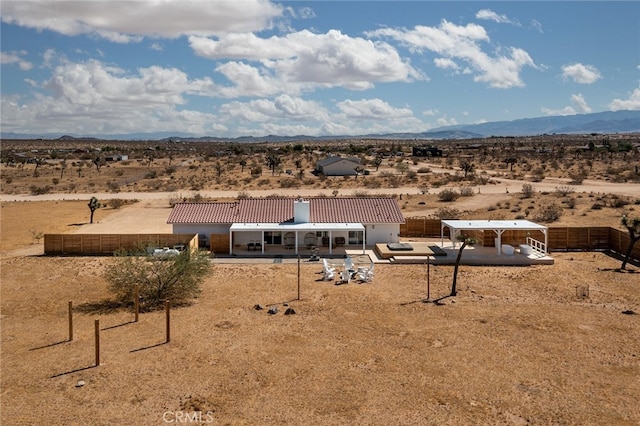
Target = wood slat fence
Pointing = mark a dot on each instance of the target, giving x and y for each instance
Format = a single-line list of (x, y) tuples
[(107, 244), (565, 238)]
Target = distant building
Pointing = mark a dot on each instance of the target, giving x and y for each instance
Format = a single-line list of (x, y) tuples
[(426, 151), (338, 166)]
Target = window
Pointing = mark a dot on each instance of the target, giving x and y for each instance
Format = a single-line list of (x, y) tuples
[(273, 237), (355, 237)]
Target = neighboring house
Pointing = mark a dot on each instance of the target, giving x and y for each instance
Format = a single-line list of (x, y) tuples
[(281, 224), (338, 166), (426, 151)]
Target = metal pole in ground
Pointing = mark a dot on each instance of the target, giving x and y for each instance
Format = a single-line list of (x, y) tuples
[(70, 321), (298, 277)]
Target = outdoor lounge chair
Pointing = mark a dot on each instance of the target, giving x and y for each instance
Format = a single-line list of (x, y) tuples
[(328, 271), (345, 276), (348, 263), (365, 274)]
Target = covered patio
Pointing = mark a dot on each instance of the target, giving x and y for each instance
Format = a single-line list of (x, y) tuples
[(528, 245), (297, 237)]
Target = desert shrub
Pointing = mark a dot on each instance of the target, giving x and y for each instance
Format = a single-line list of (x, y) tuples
[(151, 174), (548, 213), (617, 202), (39, 190), (112, 185), (424, 170), (563, 191), (289, 183), (360, 194), (177, 279), (119, 172), (243, 195), (8, 180), (116, 203), (527, 190), (596, 206), (448, 195), (372, 183), (447, 213), (467, 191)]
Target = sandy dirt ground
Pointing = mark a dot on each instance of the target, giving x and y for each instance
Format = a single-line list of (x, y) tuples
[(555, 344)]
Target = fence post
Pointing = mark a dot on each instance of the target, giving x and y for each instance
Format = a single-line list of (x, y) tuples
[(168, 320), (97, 341), (70, 321), (137, 302)]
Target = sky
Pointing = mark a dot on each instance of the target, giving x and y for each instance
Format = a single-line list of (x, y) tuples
[(230, 68)]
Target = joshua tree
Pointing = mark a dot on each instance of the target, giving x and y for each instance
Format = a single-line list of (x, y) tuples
[(466, 241), (94, 205), (467, 168), (633, 226), (511, 161)]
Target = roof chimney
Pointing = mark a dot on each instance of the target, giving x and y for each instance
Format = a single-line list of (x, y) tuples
[(301, 211)]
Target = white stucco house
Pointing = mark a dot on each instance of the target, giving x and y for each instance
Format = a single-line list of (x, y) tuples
[(338, 166), (287, 225)]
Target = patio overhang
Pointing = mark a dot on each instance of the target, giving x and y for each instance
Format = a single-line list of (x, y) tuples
[(296, 228), (497, 226)]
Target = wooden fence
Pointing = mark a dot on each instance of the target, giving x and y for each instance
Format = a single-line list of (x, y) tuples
[(558, 238), (107, 244)]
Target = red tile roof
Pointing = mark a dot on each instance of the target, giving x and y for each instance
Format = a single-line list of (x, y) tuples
[(204, 213), (355, 210), (278, 210)]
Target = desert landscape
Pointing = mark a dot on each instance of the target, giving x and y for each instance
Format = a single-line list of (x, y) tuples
[(539, 345)]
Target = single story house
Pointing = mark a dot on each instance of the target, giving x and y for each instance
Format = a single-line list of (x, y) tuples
[(287, 225), (338, 166)]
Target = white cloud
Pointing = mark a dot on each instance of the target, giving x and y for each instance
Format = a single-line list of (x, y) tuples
[(579, 107), (92, 98), (490, 15), (632, 104), (583, 74), (167, 18), (7, 58), (304, 60), (446, 63), (370, 109), (580, 103), (282, 107), (462, 43)]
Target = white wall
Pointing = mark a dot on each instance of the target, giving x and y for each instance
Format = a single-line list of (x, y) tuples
[(382, 233)]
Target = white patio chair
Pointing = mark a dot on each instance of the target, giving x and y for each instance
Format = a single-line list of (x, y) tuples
[(348, 263), (345, 276), (366, 275), (328, 270)]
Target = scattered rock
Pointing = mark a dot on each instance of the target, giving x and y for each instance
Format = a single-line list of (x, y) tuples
[(290, 311), (258, 307), (273, 310), (80, 383), (629, 312)]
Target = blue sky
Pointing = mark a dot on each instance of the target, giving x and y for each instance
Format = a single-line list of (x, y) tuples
[(258, 67)]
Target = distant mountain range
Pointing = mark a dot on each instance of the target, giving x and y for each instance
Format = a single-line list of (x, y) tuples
[(602, 122)]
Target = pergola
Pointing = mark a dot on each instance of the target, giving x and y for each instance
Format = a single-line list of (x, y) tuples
[(298, 229), (497, 226)]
